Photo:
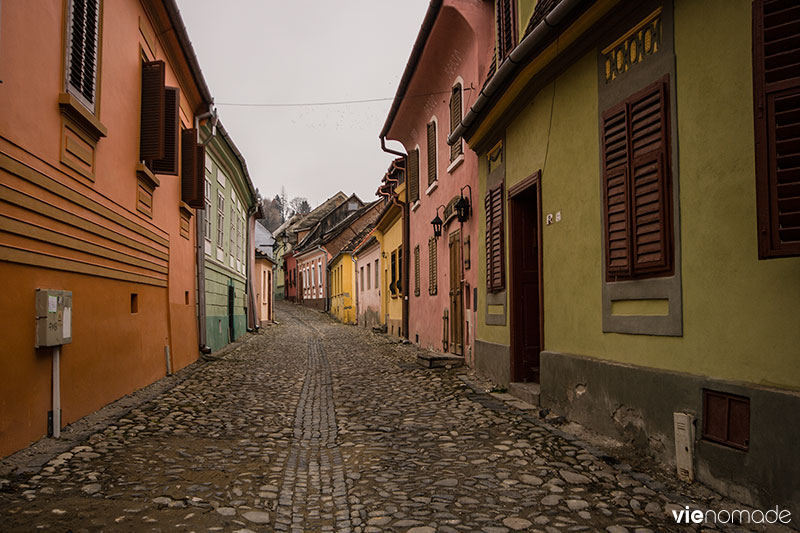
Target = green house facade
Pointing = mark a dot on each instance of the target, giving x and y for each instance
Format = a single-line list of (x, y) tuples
[(230, 203)]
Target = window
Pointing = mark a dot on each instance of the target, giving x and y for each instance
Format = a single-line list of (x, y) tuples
[(776, 87), (413, 175), (82, 50), (362, 278), (377, 275), (368, 274), (168, 164), (636, 185), (319, 272), (207, 201), (239, 240), (726, 419), (455, 121), (393, 283), (193, 162), (152, 112), (506, 28), (433, 281), (416, 270), (220, 219), (234, 225), (495, 260), (431, 152), (399, 283)]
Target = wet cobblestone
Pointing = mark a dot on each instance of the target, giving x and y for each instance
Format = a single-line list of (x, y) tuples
[(315, 426)]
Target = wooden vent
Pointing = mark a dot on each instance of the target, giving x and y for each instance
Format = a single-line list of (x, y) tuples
[(726, 419), (416, 270), (431, 152), (776, 84), (637, 208), (413, 175), (193, 157), (495, 261), (169, 163), (455, 121), (151, 129)]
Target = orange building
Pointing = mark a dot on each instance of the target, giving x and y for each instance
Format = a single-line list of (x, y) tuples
[(99, 163)]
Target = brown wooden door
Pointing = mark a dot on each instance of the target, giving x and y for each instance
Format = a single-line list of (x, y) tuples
[(456, 309), (526, 317)]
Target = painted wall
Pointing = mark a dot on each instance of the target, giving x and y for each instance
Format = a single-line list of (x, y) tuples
[(369, 292), (458, 51), (291, 267), (75, 225), (735, 306), (343, 289), (390, 236), (313, 265)]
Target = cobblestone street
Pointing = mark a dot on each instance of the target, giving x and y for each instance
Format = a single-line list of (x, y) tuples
[(316, 426)]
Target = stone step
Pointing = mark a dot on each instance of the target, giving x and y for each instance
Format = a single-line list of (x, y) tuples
[(440, 360), (527, 392)]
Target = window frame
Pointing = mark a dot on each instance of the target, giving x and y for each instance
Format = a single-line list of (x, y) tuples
[(90, 103)]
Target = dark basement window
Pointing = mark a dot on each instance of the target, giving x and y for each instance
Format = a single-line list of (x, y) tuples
[(726, 419)]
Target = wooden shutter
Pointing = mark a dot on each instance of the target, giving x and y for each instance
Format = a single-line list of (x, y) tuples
[(169, 163), (776, 84), (151, 128), (433, 275), (431, 152), (82, 57), (193, 158), (495, 262), (413, 175), (393, 283), (506, 30), (455, 120), (416, 270), (637, 199)]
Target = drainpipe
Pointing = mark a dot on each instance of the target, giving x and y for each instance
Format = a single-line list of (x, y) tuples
[(211, 114), (406, 237), (355, 282), (517, 57), (327, 279)]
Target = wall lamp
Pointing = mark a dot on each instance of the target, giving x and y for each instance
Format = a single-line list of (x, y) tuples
[(437, 223), (463, 205)]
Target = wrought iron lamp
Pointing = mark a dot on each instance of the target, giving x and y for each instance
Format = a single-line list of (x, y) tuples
[(437, 223), (463, 205)]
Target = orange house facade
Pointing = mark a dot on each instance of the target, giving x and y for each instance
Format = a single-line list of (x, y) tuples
[(99, 163)]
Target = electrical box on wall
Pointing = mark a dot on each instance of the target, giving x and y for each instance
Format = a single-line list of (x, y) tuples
[(53, 317)]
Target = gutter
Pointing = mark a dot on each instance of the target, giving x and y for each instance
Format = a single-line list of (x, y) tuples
[(513, 62)]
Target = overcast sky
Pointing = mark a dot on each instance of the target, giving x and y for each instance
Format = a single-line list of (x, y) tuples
[(303, 51)]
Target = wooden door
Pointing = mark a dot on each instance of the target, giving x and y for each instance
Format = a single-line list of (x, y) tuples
[(525, 294), (456, 308)]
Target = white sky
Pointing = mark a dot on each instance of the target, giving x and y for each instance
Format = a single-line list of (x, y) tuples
[(300, 51)]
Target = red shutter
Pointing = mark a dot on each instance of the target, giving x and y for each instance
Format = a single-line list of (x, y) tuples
[(192, 170), (776, 72), (615, 190), (169, 163), (413, 176), (151, 132), (649, 202), (495, 271), (431, 152)]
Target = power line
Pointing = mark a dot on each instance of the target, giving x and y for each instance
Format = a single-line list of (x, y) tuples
[(314, 104)]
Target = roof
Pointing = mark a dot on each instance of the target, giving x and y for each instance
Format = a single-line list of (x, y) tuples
[(186, 45), (413, 61), (318, 235), (283, 227), (371, 241), (319, 212), (263, 240)]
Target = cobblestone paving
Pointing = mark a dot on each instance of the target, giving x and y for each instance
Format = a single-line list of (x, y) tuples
[(315, 426)]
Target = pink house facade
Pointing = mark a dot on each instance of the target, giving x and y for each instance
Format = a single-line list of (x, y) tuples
[(451, 56), (368, 281), (311, 274)]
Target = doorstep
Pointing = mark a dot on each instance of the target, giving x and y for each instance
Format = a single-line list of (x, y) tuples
[(439, 360), (527, 392)]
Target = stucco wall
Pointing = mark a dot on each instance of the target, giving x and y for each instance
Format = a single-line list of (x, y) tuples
[(369, 293)]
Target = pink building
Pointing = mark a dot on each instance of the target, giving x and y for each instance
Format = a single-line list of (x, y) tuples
[(451, 56), (368, 299)]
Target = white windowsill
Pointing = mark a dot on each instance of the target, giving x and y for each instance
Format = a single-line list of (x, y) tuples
[(415, 206), (432, 187), (455, 164)]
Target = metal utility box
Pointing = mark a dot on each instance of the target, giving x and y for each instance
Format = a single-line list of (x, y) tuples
[(53, 317)]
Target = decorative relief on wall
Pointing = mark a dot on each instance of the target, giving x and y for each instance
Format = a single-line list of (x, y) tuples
[(634, 47)]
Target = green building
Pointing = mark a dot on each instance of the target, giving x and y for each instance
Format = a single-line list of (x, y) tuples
[(224, 238)]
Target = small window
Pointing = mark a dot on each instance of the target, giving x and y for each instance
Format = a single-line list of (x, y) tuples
[(377, 275), (455, 121), (413, 175), (433, 281), (186, 297), (400, 288), (431, 152), (416, 270), (82, 50), (368, 274), (207, 200), (726, 419), (134, 303), (220, 220), (393, 283), (495, 246)]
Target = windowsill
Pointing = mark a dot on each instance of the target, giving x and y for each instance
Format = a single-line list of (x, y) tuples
[(432, 187), (186, 209), (147, 176), (72, 108), (415, 206), (455, 164)]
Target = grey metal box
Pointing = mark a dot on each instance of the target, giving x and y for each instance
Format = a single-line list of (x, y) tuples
[(53, 317)]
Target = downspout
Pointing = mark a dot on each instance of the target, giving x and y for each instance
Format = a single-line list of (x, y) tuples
[(211, 114), (200, 237), (355, 282), (536, 37), (327, 279), (406, 237)]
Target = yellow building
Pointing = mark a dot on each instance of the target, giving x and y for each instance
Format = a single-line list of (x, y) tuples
[(389, 232), (342, 304)]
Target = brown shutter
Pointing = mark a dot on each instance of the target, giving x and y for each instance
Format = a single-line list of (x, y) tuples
[(616, 185), (83, 47), (455, 120), (192, 170), (416, 270), (151, 132), (776, 83), (169, 163), (506, 31), (413, 175), (495, 270), (431, 152), (433, 281)]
